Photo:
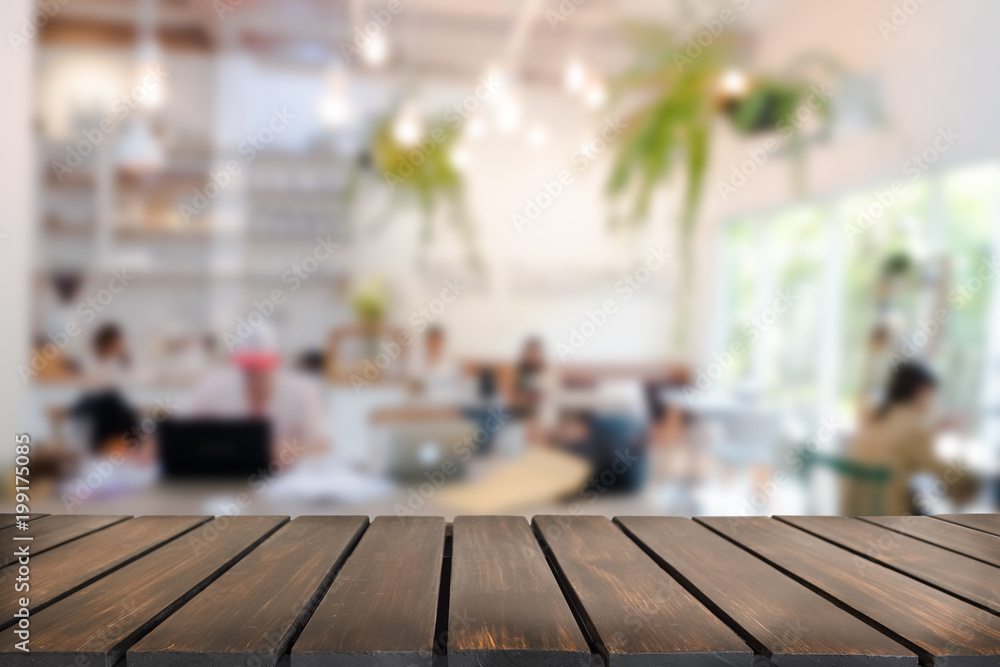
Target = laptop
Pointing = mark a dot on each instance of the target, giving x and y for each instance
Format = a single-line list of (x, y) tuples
[(429, 450), (214, 448)]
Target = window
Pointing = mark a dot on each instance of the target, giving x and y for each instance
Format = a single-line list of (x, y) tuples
[(847, 279)]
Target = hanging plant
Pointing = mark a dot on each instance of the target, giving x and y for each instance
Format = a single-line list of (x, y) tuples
[(675, 101), (422, 172)]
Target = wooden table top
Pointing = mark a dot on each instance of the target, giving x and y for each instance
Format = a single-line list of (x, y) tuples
[(562, 590)]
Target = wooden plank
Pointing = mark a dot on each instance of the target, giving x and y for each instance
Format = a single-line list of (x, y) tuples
[(8, 520), (972, 543), (506, 607), (987, 523), (635, 613), (382, 608), (931, 622), (959, 575), (779, 617), (96, 625), (65, 569), (51, 531), (252, 613)]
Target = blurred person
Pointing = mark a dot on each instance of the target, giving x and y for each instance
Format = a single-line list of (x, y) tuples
[(535, 384), (253, 385), (106, 417), (610, 432), (112, 362), (438, 376), (109, 426), (899, 440)]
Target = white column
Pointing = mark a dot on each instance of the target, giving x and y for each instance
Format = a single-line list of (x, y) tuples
[(17, 228)]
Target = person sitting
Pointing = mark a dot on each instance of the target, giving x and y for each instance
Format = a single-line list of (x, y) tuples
[(255, 385), (899, 439)]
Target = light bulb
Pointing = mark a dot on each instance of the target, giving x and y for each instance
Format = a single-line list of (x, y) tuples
[(575, 76), (508, 114), (407, 129), (595, 95), (376, 52), (734, 83), (460, 157)]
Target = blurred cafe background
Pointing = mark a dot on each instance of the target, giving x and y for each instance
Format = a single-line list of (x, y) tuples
[(505, 256)]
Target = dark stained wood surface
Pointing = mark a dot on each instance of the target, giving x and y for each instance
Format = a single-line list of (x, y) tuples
[(987, 523), (779, 617), (51, 531), (95, 625), (506, 607), (490, 592), (635, 612), (62, 570), (8, 520), (382, 607), (962, 576), (921, 617), (967, 541), (251, 613)]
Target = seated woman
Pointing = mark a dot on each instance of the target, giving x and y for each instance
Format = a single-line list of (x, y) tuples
[(899, 439)]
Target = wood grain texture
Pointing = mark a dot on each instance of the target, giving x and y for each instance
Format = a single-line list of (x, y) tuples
[(959, 575), (382, 607), (987, 523), (506, 607), (8, 520), (972, 543), (779, 617), (635, 612), (67, 568), (96, 625), (51, 531), (251, 613), (935, 624)]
